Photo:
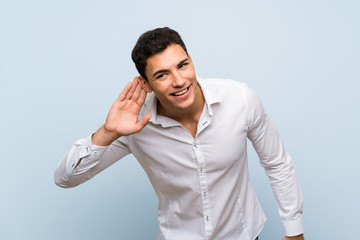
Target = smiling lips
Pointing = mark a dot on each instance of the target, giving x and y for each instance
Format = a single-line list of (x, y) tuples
[(176, 94)]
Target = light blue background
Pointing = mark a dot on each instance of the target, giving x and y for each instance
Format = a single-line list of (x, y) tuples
[(63, 63)]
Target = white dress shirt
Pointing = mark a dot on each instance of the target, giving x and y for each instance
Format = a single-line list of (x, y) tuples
[(202, 183)]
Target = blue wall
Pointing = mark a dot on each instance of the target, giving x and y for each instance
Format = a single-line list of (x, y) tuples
[(63, 63)]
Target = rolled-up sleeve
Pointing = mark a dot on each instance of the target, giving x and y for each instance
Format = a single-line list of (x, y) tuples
[(277, 163), (85, 160)]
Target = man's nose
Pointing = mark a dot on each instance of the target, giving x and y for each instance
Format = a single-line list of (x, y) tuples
[(178, 80)]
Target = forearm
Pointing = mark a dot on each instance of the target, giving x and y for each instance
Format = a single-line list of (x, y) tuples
[(85, 160), (281, 172), (288, 195)]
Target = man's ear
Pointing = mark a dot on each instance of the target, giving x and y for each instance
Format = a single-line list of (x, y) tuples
[(145, 84), (190, 57)]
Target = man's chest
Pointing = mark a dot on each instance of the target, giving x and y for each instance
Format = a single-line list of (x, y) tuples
[(219, 143)]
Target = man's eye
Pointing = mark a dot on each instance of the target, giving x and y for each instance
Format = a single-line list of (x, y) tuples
[(160, 76), (183, 65)]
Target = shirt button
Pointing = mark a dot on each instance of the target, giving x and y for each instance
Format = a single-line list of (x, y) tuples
[(195, 145)]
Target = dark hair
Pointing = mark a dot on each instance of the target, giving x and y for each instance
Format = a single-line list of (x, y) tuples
[(151, 43)]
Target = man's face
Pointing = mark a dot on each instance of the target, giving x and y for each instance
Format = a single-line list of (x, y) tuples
[(171, 75)]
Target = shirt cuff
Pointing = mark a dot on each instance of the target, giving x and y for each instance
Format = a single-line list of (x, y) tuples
[(89, 155), (294, 227), (90, 151)]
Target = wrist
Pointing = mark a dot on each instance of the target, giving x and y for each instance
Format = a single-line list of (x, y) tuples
[(298, 237), (103, 137)]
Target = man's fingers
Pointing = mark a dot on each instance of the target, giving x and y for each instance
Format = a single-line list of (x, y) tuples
[(124, 91), (136, 93), (144, 121), (142, 97), (132, 89)]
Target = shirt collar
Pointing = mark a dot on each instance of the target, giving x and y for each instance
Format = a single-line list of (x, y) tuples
[(151, 105), (210, 96)]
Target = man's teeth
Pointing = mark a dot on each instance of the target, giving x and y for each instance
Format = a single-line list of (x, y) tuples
[(181, 92)]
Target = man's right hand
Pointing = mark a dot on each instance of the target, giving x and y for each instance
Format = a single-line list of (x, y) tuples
[(122, 119)]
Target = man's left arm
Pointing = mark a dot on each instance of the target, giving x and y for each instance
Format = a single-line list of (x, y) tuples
[(278, 166)]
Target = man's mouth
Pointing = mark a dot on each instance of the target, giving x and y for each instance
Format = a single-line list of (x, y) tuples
[(179, 93)]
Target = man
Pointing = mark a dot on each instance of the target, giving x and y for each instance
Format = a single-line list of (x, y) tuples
[(189, 134)]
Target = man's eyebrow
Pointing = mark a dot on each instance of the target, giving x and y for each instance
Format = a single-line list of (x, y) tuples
[(159, 71), (165, 70)]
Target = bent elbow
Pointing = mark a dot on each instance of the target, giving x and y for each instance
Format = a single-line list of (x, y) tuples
[(63, 182), (62, 185)]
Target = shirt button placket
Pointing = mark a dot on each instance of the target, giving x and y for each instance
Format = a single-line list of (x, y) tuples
[(201, 165)]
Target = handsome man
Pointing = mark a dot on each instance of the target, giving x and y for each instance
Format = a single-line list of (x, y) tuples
[(189, 134)]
